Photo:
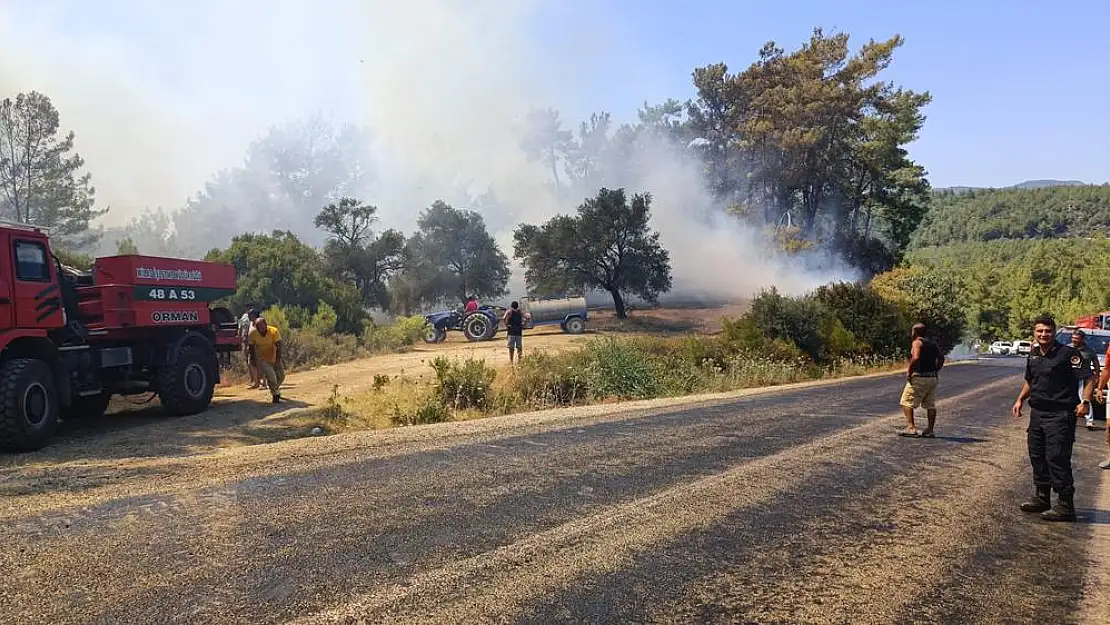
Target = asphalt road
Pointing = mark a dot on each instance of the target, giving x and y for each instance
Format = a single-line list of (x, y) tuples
[(798, 506)]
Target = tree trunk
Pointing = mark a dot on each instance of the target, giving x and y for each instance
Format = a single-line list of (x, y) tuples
[(618, 303), (554, 168)]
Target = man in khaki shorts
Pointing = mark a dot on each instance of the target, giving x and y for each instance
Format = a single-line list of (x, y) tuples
[(921, 381)]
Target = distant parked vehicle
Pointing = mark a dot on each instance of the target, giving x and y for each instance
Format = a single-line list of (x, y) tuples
[(1023, 347), (1001, 347)]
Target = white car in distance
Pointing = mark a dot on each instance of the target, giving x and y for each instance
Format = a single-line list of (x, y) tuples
[(1001, 347)]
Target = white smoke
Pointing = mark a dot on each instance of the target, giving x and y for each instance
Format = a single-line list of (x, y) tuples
[(162, 97)]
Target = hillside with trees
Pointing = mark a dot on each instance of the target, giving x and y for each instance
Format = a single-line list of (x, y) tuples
[(1015, 213), (1006, 283)]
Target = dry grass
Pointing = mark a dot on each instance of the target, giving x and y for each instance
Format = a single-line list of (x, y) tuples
[(606, 372)]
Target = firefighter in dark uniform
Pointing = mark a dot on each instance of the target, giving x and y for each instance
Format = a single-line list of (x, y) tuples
[(1052, 372)]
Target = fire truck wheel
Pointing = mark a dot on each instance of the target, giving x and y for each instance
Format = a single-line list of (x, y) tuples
[(28, 404), (186, 387)]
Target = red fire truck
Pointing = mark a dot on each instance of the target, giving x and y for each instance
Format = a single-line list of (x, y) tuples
[(70, 340), (1097, 321)]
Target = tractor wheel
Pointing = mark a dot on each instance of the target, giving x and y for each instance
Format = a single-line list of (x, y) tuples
[(433, 334), (87, 407), (28, 404), (477, 327), (186, 387), (575, 325)]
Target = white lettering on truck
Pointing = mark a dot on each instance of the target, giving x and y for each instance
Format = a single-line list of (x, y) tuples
[(174, 316), (152, 273)]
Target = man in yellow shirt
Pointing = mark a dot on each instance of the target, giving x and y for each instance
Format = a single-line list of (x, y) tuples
[(265, 353)]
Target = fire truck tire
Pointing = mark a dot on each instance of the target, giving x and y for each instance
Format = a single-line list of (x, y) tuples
[(87, 407), (186, 387), (28, 404)]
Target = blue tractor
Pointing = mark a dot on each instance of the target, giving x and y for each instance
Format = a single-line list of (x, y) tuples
[(478, 325)]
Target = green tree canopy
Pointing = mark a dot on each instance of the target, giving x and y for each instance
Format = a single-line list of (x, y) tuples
[(280, 269), (1009, 282), (452, 255), (608, 245), (355, 254), (935, 298), (40, 182)]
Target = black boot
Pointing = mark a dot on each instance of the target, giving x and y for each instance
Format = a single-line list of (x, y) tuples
[(1064, 510), (1040, 501)]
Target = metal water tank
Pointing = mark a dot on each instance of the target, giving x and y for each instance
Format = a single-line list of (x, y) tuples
[(554, 309)]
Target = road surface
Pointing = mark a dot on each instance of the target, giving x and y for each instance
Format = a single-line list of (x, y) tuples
[(798, 505)]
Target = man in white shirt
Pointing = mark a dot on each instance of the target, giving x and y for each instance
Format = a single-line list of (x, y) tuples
[(246, 322)]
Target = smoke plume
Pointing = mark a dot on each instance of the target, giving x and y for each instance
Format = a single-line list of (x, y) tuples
[(161, 98)]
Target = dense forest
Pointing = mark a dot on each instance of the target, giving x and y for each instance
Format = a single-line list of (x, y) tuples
[(1015, 213), (1006, 283)]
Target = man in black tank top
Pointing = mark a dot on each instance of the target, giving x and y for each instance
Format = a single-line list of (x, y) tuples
[(921, 381), (514, 326)]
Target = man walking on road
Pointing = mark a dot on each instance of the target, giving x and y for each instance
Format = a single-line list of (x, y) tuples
[(1090, 359), (921, 381), (1052, 371), (265, 346), (514, 327)]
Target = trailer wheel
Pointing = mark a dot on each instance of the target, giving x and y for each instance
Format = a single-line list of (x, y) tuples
[(575, 325), (186, 387), (87, 407), (28, 404), (433, 334), (477, 327)]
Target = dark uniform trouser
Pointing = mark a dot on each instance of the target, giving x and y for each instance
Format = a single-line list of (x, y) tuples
[(1050, 437)]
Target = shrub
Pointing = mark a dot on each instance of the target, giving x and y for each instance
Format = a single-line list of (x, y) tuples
[(617, 369), (836, 340), (463, 385), (797, 320), (743, 333), (878, 324), (543, 381), (428, 411), (402, 334), (275, 315), (930, 296), (296, 317), (805, 323), (323, 321), (304, 349)]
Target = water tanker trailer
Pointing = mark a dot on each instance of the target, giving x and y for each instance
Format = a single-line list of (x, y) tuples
[(569, 313)]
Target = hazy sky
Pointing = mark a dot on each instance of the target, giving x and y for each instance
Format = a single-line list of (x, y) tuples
[(161, 93)]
